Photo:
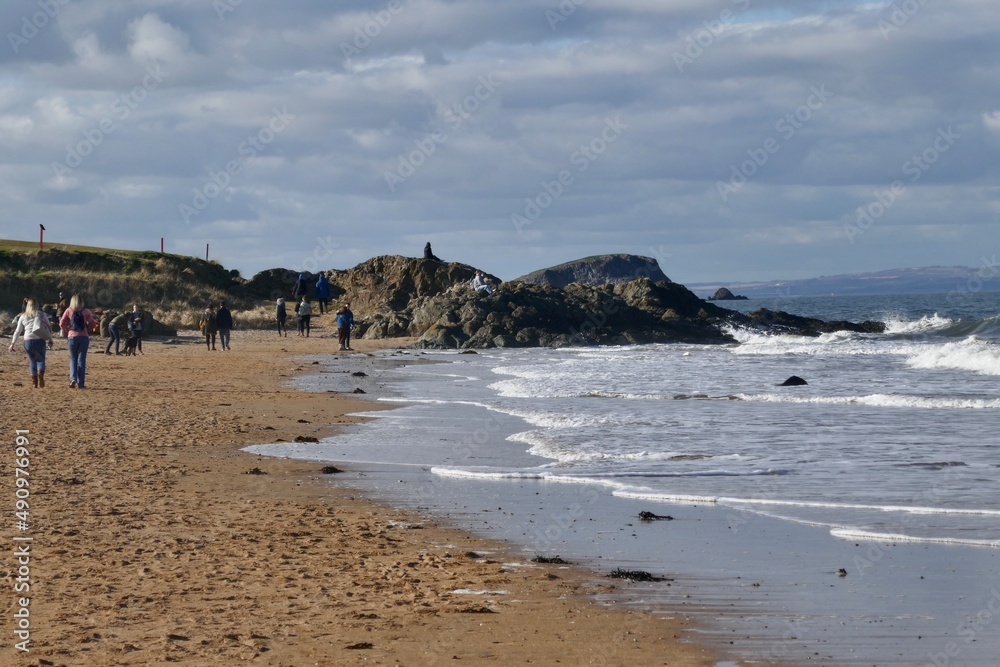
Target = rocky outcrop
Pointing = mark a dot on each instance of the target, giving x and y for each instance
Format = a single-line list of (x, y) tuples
[(723, 294), (597, 270), (523, 315), (395, 296), (777, 321)]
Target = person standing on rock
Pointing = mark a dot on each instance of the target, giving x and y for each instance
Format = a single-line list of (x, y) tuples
[(76, 324), (429, 254), (34, 325), (224, 320), (280, 314), (345, 320)]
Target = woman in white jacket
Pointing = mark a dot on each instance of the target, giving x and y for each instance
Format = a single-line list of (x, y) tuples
[(34, 326)]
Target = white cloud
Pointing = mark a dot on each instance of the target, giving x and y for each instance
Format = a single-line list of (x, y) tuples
[(420, 71)]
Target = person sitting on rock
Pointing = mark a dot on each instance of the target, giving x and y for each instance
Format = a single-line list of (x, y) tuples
[(429, 254), (479, 283)]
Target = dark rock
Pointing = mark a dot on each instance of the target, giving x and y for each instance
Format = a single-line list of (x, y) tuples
[(597, 270), (635, 575), (306, 438), (649, 516), (359, 390), (723, 294), (330, 470), (555, 560), (794, 381)]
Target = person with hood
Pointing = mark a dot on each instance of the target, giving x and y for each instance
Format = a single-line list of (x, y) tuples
[(323, 293), (300, 288), (429, 254)]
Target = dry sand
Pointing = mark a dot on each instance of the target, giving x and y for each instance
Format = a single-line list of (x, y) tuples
[(151, 544)]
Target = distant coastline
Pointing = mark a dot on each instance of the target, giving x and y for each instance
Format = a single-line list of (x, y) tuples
[(926, 280)]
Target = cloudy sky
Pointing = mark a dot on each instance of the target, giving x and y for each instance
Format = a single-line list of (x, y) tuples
[(732, 140)]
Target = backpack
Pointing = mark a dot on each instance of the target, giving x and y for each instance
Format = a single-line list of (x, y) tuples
[(78, 322)]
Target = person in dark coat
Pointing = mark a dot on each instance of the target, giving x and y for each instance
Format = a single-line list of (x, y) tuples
[(224, 320), (429, 254), (300, 289), (281, 314)]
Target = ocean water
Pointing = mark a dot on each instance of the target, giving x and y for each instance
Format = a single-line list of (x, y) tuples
[(891, 443)]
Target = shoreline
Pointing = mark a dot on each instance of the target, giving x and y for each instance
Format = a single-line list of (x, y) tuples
[(152, 544), (787, 592)]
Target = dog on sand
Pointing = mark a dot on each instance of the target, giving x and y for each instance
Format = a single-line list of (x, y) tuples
[(130, 346)]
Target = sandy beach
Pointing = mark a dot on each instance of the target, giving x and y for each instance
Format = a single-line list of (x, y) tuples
[(152, 541)]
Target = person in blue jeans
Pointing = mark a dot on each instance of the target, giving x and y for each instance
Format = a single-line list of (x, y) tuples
[(34, 340), (76, 323), (115, 328)]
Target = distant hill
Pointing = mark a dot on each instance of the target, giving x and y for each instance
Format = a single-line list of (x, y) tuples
[(927, 280), (615, 269)]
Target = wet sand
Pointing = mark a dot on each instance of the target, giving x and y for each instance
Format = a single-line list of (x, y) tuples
[(151, 541)]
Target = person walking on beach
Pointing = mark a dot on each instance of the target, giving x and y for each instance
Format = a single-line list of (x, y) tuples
[(345, 320), (323, 293), (280, 314), (304, 313), (115, 327), (224, 320), (209, 326), (135, 326), (76, 324), (34, 325)]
